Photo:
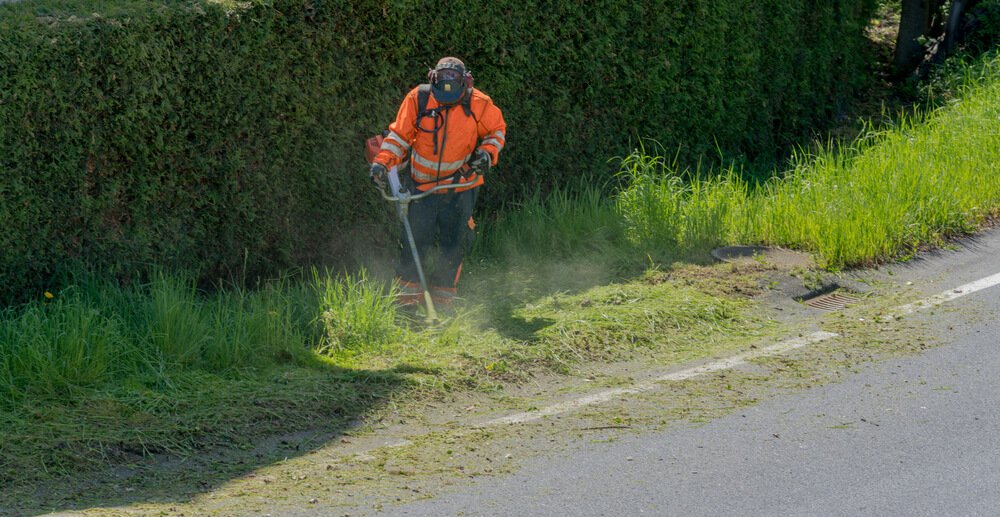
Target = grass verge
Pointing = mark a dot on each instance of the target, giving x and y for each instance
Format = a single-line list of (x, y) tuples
[(99, 375), (931, 176)]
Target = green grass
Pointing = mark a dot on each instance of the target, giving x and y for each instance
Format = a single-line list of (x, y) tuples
[(355, 313), (54, 349), (101, 374), (95, 333), (565, 223), (98, 372), (931, 176), (680, 212)]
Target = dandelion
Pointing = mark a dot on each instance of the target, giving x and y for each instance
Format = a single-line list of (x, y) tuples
[(49, 295)]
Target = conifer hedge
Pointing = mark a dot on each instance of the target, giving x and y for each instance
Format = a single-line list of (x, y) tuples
[(227, 137)]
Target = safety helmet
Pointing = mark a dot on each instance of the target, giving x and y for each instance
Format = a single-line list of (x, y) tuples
[(449, 81)]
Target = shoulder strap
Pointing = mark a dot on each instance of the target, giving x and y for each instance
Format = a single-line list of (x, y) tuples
[(467, 107), (423, 93)]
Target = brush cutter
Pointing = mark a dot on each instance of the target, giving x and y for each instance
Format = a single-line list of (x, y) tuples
[(402, 197)]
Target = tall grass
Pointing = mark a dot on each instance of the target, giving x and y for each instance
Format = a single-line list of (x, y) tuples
[(932, 175), (665, 210), (356, 312), (256, 325), (178, 324), (52, 349), (565, 222), (96, 334)]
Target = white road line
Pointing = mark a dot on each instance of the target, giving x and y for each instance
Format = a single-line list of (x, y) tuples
[(946, 296), (606, 395), (734, 361)]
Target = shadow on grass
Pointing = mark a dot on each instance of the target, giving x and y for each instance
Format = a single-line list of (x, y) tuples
[(518, 328), (242, 423)]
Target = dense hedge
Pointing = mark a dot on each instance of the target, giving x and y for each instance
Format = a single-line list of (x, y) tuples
[(178, 133)]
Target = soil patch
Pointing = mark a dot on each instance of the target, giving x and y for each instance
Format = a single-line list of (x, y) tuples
[(779, 258)]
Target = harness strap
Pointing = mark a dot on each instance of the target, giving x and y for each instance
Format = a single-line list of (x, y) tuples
[(423, 96)]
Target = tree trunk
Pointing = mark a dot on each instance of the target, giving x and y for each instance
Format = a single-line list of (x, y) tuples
[(915, 21), (954, 28)]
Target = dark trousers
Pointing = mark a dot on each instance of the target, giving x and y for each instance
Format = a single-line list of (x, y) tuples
[(444, 219)]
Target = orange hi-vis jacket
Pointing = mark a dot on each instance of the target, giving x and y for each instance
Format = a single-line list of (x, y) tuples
[(436, 161)]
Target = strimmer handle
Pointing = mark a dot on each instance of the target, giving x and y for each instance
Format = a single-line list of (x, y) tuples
[(404, 195), (395, 186)]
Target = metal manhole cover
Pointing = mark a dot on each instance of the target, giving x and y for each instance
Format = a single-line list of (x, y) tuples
[(831, 301), (777, 257)]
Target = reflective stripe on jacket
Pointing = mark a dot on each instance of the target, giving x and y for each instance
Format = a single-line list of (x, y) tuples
[(458, 136)]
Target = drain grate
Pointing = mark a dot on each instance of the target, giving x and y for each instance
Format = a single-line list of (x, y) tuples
[(831, 301)]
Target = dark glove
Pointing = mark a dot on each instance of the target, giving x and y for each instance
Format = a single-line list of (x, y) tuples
[(377, 174), (480, 161)]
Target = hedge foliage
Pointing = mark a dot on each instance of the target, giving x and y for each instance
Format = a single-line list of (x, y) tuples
[(223, 138)]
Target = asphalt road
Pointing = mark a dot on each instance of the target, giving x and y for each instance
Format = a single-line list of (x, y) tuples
[(908, 436)]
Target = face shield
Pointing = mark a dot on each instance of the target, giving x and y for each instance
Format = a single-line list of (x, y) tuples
[(448, 86)]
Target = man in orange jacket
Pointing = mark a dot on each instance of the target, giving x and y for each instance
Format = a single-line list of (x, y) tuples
[(445, 132)]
